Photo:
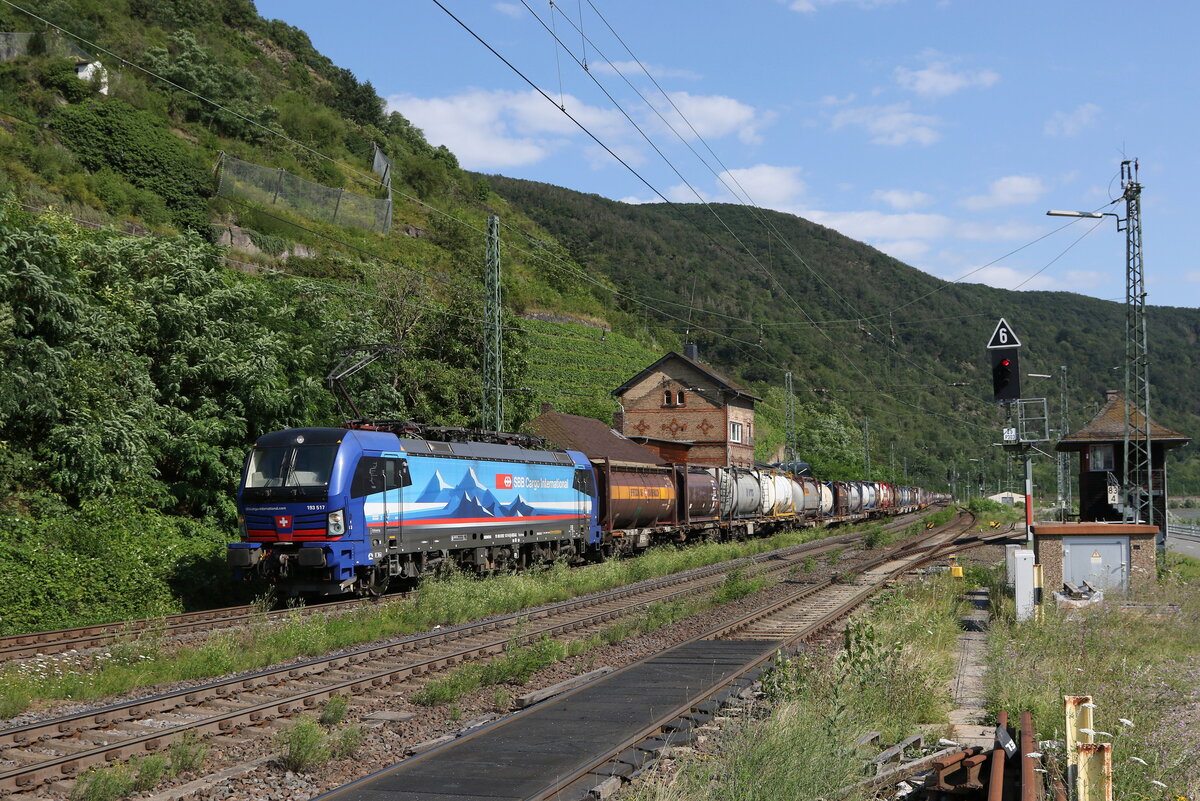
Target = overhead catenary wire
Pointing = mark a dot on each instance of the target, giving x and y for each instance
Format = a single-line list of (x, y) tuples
[(861, 319), (703, 202), (370, 178)]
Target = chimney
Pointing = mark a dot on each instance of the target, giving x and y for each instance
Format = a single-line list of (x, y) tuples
[(691, 351)]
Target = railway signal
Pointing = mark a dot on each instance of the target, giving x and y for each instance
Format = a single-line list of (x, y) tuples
[(1006, 370), (1006, 374), (1006, 388)]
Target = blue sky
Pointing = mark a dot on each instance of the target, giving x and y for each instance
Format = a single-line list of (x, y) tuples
[(939, 131)]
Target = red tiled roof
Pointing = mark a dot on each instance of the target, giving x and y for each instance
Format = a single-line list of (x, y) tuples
[(592, 437), (1109, 425), (719, 379)]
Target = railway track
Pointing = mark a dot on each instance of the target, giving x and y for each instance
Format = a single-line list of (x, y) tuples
[(83, 638), (665, 696), (63, 747)]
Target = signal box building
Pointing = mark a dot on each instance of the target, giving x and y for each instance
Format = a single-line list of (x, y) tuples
[(678, 401), (1101, 448)]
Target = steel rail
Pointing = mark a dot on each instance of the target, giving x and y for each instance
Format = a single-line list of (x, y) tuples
[(559, 784), (79, 638), (562, 781), (66, 765)]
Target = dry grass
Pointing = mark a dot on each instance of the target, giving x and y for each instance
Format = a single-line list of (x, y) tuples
[(1139, 664), (891, 677)]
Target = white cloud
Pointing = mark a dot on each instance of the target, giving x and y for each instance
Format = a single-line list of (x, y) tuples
[(939, 79), (1008, 191), (834, 100), (1070, 123), (768, 186), (1192, 275), (1009, 278), (715, 116), (872, 226), (495, 129), (906, 250), (998, 232), (632, 69), (809, 6), (890, 125), (902, 200), (508, 9)]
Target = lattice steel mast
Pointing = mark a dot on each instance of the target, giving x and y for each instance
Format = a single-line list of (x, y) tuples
[(493, 331), (1064, 458), (789, 454), (1138, 479)]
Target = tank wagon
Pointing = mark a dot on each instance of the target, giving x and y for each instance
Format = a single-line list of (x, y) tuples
[(325, 511)]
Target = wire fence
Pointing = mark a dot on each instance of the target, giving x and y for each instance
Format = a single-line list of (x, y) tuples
[(14, 44), (382, 166), (269, 186)]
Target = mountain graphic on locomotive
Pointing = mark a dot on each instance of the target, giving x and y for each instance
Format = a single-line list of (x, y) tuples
[(325, 511)]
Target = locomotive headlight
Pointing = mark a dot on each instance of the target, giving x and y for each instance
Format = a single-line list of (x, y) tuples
[(337, 523), (242, 526)]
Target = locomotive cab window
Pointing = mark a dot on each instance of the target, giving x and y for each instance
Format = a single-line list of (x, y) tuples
[(300, 466), (378, 474), (585, 482)]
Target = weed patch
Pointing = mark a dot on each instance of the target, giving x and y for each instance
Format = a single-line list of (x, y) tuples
[(448, 600), (736, 585), (890, 677), (1138, 664)]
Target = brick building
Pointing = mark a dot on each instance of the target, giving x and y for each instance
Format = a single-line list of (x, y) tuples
[(680, 401)]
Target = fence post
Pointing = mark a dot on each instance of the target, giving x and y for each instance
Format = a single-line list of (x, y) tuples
[(338, 205), (1079, 716), (1095, 772), (278, 186)]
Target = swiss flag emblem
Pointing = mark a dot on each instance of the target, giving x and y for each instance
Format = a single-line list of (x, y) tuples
[(283, 522), (504, 481)]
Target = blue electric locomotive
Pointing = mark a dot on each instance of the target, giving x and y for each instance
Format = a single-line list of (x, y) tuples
[(333, 510)]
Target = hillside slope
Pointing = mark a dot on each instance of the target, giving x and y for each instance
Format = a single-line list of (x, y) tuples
[(774, 292)]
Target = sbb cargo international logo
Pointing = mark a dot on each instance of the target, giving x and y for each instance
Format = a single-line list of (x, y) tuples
[(504, 481)]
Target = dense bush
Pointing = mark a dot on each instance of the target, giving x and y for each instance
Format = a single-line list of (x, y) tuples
[(111, 134), (190, 65)]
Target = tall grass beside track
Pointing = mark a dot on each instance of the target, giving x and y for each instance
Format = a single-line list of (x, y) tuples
[(892, 677), (1139, 663), (149, 660)]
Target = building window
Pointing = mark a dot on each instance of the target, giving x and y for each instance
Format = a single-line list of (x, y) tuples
[(679, 397), (667, 397), (735, 432), (1100, 458)]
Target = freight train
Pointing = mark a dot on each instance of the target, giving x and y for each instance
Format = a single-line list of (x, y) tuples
[(326, 511)]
